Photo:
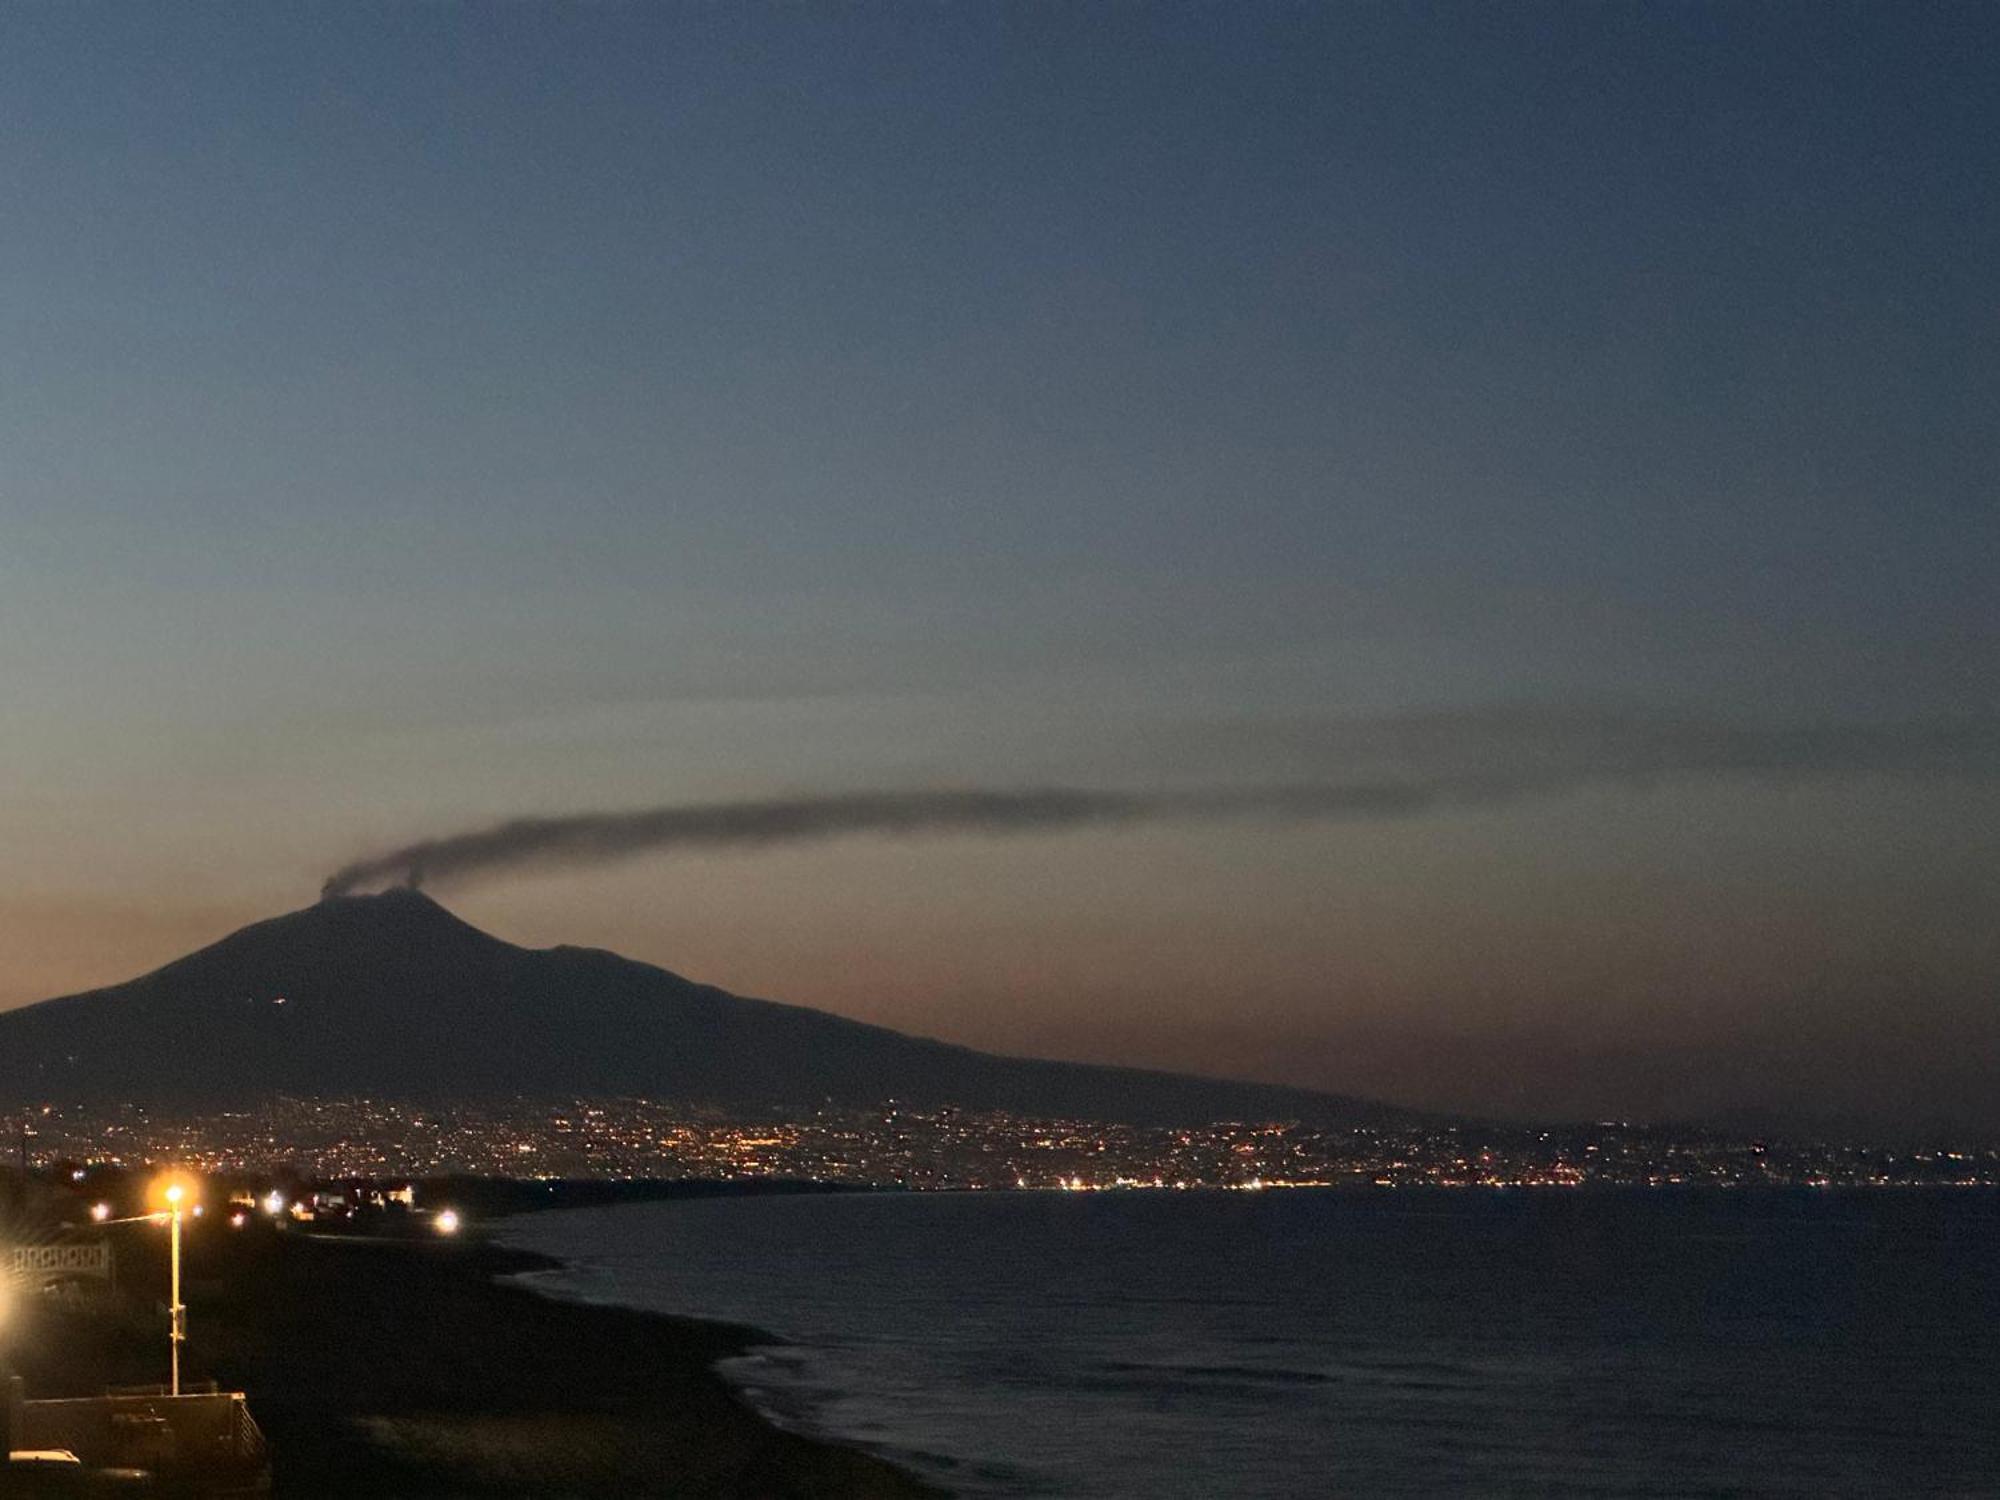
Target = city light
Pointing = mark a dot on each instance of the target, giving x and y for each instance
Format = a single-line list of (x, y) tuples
[(100, 1212), (447, 1222), (387, 1144)]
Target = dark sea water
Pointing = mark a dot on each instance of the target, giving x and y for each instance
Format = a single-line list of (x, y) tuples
[(1446, 1343)]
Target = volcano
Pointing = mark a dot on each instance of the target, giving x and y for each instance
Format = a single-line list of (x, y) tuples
[(390, 996)]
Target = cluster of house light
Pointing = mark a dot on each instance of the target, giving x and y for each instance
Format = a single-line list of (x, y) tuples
[(944, 1148), (180, 1192)]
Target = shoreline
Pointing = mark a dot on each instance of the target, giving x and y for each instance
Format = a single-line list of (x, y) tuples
[(751, 1342), (422, 1368), (506, 1200)]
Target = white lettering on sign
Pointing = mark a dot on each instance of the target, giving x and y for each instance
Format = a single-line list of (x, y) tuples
[(52, 1262)]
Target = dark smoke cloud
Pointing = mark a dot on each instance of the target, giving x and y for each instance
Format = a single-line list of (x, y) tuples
[(589, 838), (1489, 760)]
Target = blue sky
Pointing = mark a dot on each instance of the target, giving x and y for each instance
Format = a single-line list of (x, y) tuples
[(416, 416)]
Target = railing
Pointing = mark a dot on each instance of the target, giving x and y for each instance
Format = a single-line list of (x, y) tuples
[(161, 1388), (250, 1444)]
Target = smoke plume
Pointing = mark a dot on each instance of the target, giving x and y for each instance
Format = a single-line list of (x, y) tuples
[(1437, 760), (591, 838)]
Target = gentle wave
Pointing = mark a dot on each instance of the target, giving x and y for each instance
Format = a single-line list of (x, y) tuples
[(1604, 1347)]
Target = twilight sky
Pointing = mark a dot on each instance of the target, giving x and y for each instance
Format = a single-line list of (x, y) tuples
[(415, 417)]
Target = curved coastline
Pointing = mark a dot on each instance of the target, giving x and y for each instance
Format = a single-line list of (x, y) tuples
[(420, 1367), (743, 1350), (750, 1348), (755, 1455), (751, 1345)]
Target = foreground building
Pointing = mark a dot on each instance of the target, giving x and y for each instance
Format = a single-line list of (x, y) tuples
[(202, 1445)]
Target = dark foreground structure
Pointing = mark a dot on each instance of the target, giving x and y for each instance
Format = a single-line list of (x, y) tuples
[(201, 1445)]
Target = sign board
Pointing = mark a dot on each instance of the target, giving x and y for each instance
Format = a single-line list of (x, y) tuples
[(38, 1265)]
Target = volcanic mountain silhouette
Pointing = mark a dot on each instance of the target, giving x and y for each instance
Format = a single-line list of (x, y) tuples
[(390, 996)]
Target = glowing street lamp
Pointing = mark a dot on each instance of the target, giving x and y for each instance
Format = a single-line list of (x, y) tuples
[(447, 1222), (179, 1195), (177, 1331)]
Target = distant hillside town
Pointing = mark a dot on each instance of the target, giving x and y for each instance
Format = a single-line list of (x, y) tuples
[(896, 1145)]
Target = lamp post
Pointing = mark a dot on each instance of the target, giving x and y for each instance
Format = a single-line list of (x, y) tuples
[(177, 1331), (175, 1193)]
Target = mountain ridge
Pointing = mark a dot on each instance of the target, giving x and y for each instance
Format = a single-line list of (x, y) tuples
[(393, 996)]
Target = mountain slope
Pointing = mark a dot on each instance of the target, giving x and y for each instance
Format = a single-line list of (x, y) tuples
[(392, 996)]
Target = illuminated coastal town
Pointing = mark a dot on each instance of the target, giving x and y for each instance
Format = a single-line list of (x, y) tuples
[(897, 1147)]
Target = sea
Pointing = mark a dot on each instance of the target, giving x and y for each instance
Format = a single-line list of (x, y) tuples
[(1407, 1342)]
